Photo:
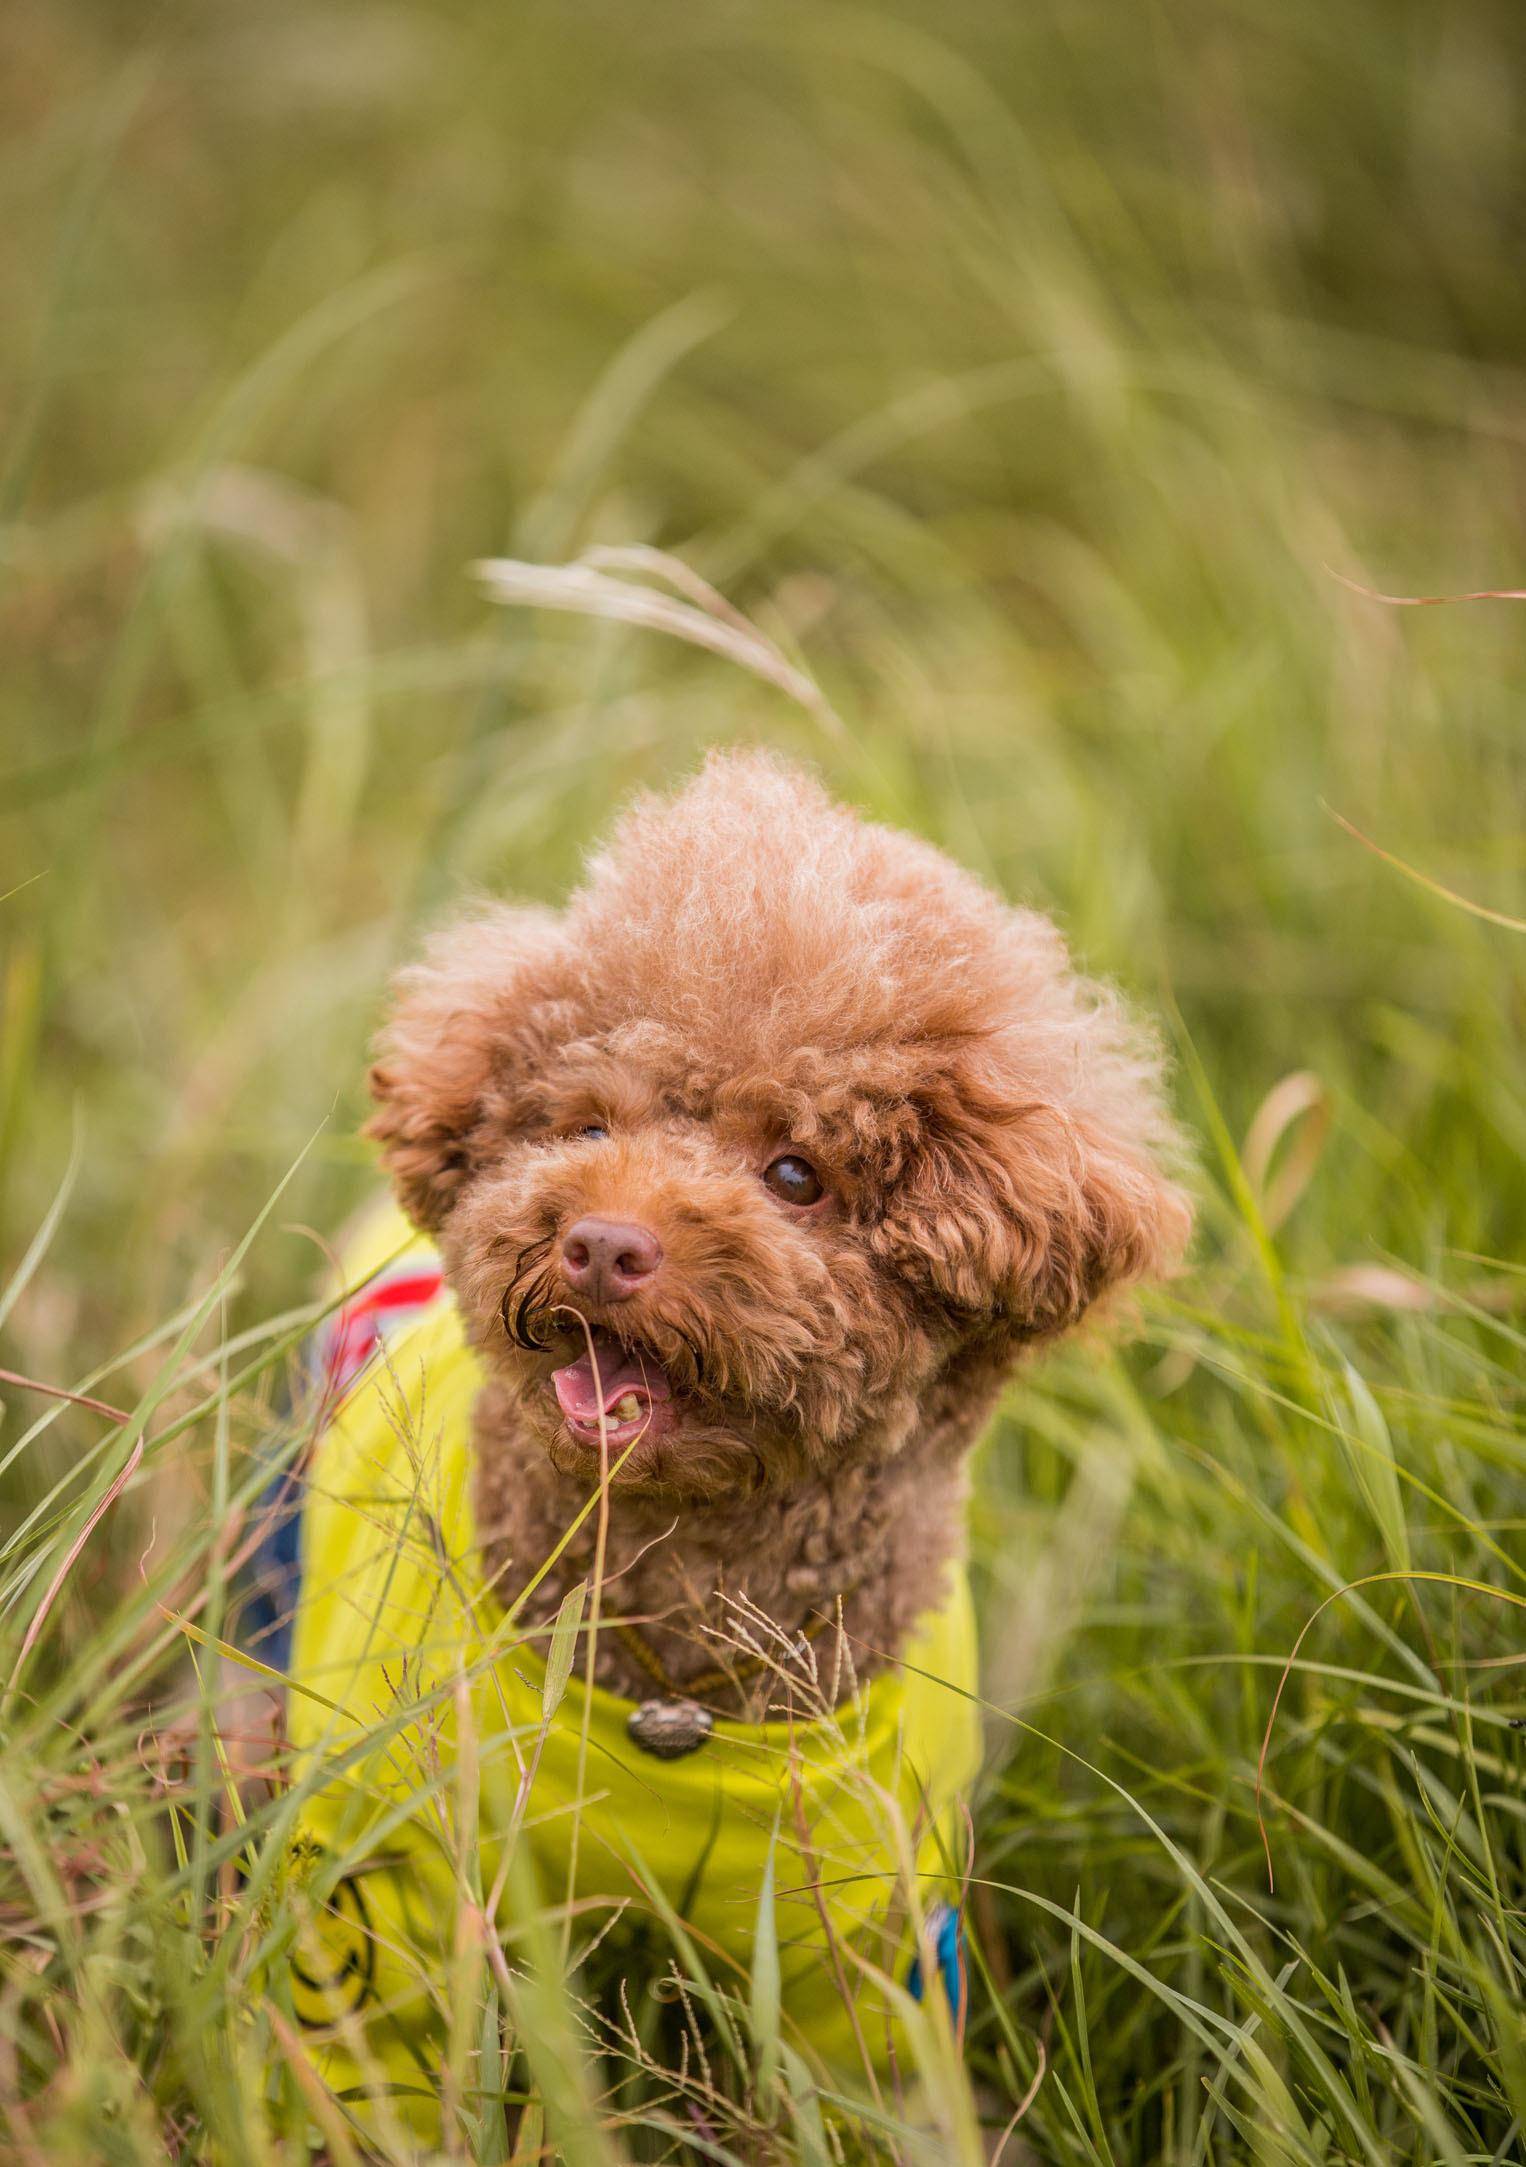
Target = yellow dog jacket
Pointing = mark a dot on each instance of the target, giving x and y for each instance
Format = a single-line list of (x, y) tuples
[(447, 1756)]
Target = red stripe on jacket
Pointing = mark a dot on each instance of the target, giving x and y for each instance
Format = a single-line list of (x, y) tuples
[(354, 1334)]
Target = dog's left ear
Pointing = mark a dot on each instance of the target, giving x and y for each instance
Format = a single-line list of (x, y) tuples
[(1026, 1212), (457, 1052), (1087, 1215)]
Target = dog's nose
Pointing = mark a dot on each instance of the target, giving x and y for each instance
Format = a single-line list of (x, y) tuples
[(609, 1259)]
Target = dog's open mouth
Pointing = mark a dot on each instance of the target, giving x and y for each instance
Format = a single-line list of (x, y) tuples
[(627, 1386)]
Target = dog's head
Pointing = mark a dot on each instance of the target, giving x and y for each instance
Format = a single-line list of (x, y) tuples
[(781, 1128)]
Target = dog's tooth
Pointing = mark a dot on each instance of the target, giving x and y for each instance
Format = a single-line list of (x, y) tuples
[(627, 1407)]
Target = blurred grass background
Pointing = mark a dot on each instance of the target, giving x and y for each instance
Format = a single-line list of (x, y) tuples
[(1031, 373)]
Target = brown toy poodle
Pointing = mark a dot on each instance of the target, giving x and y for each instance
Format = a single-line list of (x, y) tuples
[(758, 1168)]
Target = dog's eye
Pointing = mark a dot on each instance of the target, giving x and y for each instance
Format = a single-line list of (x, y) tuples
[(591, 1131), (794, 1180)]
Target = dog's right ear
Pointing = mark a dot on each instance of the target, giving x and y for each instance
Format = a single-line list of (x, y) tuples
[(454, 1056)]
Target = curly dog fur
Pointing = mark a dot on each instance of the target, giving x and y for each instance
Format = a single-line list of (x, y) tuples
[(750, 971)]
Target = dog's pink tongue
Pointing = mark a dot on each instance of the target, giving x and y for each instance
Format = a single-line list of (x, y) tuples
[(584, 1400)]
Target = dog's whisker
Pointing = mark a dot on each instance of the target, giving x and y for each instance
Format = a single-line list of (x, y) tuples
[(521, 1305)]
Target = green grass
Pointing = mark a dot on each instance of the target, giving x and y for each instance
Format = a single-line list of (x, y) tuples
[(1026, 372)]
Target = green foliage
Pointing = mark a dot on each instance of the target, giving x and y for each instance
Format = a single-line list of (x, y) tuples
[(1025, 373)]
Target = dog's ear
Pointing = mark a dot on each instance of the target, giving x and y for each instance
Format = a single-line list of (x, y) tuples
[(1024, 1213), (458, 1050), (1088, 1215)]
